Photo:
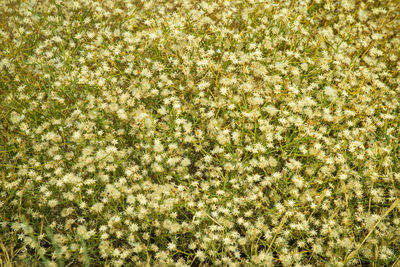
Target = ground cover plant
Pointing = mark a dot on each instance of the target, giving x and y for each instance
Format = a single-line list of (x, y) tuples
[(199, 133)]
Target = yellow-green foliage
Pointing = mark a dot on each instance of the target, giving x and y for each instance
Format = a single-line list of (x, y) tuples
[(199, 133)]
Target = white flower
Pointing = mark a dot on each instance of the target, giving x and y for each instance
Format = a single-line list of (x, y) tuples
[(97, 207), (330, 91), (158, 146), (272, 110)]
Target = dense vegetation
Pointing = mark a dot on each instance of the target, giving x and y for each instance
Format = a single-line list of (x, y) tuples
[(200, 133)]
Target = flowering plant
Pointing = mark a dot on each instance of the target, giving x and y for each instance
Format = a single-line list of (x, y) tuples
[(200, 133)]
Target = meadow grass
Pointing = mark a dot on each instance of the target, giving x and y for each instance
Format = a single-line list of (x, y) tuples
[(199, 133)]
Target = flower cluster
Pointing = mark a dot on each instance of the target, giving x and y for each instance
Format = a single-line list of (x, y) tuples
[(200, 133)]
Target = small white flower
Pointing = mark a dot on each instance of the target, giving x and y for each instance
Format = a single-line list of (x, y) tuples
[(158, 146), (330, 91)]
